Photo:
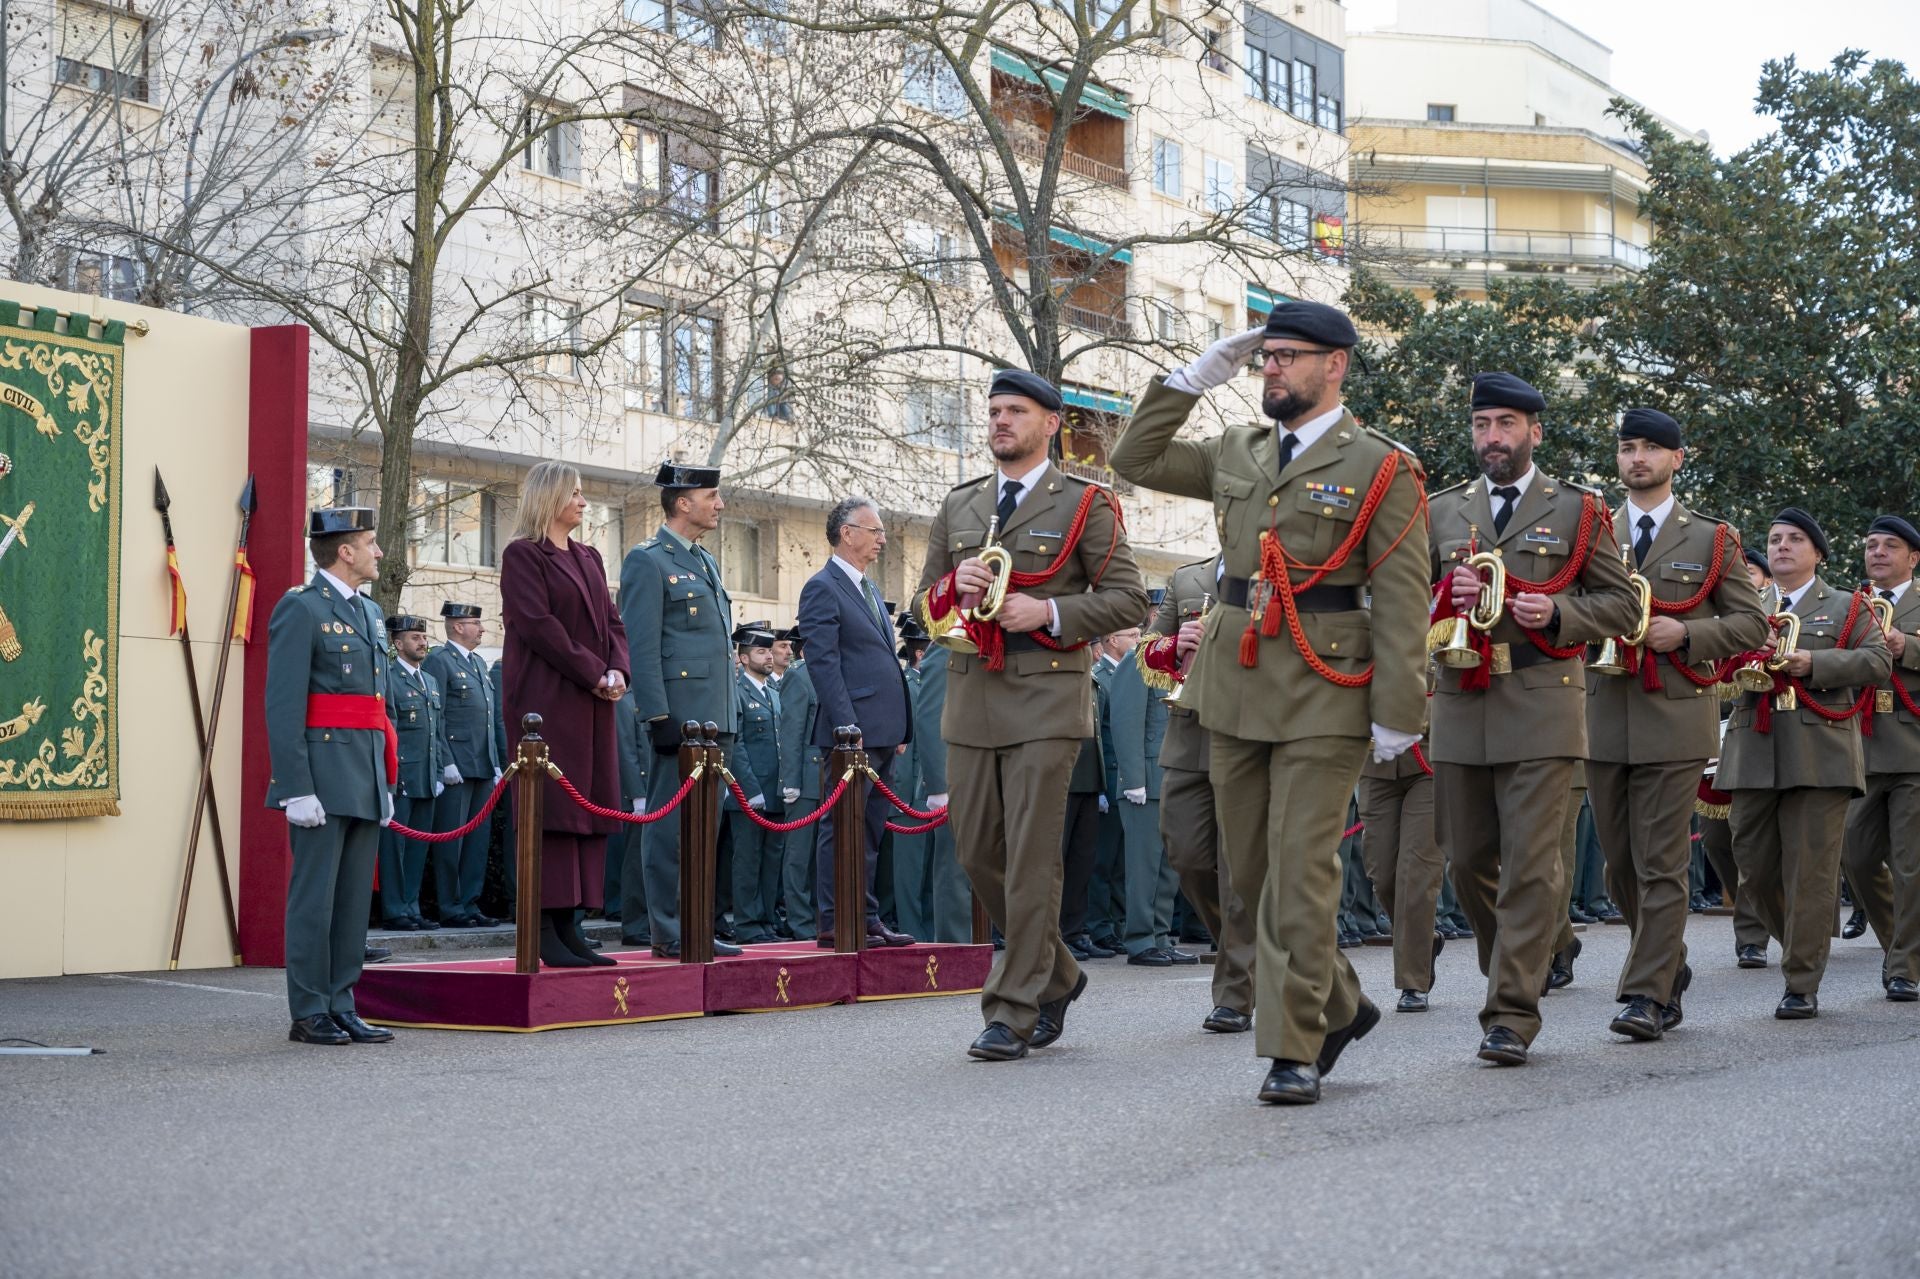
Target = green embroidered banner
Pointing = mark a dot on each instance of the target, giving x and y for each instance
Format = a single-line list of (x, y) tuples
[(59, 565)]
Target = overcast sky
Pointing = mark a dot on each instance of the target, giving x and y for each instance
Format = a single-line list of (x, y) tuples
[(1698, 61)]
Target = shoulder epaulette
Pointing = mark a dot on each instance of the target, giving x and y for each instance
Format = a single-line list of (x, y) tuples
[(967, 484), (650, 543), (1451, 487), (1384, 437), (1584, 488), (297, 590)]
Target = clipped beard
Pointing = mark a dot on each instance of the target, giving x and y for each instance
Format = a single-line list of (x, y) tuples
[(1285, 406), (1507, 467)]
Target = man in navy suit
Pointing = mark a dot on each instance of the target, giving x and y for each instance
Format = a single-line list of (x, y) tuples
[(858, 681)]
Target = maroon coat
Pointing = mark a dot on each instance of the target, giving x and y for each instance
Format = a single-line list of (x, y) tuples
[(563, 636)]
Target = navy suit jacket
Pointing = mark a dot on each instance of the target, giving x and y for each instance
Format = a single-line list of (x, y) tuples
[(850, 654)]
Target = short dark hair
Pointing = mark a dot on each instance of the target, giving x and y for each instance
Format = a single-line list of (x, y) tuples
[(843, 510), (669, 499), (325, 549)]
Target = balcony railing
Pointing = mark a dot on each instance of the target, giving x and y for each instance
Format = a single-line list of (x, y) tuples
[(1030, 143), (1479, 244), (1102, 322)]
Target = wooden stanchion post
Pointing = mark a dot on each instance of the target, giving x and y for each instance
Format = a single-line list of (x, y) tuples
[(849, 842), (530, 789), (699, 836)]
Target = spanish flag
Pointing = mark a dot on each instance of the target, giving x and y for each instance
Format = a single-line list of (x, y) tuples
[(177, 612), (243, 598)]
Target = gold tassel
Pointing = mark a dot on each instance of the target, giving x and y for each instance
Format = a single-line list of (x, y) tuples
[(50, 809), (1156, 679), (1712, 812), (1438, 634)]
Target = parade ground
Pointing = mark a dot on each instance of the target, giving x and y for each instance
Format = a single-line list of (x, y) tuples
[(861, 1139)]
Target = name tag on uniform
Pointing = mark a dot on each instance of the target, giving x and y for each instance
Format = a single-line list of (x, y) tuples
[(1822, 620), (1544, 536), (1331, 494), (1688, 568), (1039, 533)]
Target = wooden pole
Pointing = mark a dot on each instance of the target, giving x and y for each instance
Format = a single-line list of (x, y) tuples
[(699, 836), (530, 788), (849, 843)]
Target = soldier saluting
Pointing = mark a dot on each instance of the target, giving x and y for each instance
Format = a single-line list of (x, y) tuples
[(334, 756), (1315, 646)]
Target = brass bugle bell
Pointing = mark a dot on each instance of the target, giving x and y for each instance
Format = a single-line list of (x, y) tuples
[(1882, 609), (1756, 676), (1457, 651), (1180, 681), (999, 562), (1611, 659)]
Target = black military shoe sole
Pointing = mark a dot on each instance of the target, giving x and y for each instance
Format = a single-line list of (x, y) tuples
[(1902, 991), (1365, 1018), (1503, 1048)]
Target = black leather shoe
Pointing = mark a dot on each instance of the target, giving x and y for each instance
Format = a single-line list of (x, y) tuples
[(1640, 1019), (1439, 944), (1183, 956), (1902, 991), (361, 1033), (1503, 1048), (375, 954), (422, 924), (1797, 1007), (664, 950), (1608, 913), (1579, 916), (1751, 956), (1095, 950), (998, 1043), (399, 924), (1670, 1014), (1291, 1083), (1227, 1021), (1078, 946), (1856, 924), (1053, 1016), (722, 948), (1108, 941), (1365, 1018), (1152, 957), (1697, 903), (636, 943), (319, 1029), (1347, 940), (1411, 1001), (1463, 930), (1561, 974)]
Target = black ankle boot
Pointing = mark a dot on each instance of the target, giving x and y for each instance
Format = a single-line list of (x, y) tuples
[(554, 953), (566, 925)]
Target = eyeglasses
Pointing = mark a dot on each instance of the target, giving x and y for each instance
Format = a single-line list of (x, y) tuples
[(867, 528), (1285, 356)]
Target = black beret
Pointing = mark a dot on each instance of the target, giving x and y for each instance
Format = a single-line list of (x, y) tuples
[(449, 609), (1899, 527), (1757, 559), (1505, 391), (1651, 425), (1021, 382), (1806, 524), (1311, 322), (671, 475), (751, 636), (340, 519), (401, 623)]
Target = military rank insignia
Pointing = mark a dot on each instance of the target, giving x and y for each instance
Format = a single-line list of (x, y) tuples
[(1330, 494)]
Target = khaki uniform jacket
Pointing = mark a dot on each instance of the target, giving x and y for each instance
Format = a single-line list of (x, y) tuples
[(1802, 748), (1040, 694), (1312, 505), (1625, 723), (1185, 743), (1895, 744), (1535, 712)]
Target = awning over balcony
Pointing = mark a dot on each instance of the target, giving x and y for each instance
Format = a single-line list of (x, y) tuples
[(1094, 97), (1259, 299), (1085, 397), (1084, 243)]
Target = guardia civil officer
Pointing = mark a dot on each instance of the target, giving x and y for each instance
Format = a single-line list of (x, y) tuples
[(1017, 709), (414, 706), (755, 764), (1314, 647), (471, 765), (333, 757)]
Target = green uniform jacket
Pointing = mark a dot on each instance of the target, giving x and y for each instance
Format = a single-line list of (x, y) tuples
[(319, 642), (415, 706), (1041, 693), (927, 710), (755, 757), (799, 758), (636, 753), (679, 634), (1625, 723), (500, 747), (906, 764), (1312, 506), (1802, 748), (1185, 743), (1139, 720), (1895, 744), (1534, 712), (466, 693)]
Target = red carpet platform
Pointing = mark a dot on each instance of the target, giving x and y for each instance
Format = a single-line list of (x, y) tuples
[(486, 994)]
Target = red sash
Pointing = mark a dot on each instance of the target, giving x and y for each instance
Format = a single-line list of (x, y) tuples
[(356, 710)]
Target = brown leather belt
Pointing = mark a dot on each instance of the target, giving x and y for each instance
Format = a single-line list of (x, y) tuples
[(1315, 599)]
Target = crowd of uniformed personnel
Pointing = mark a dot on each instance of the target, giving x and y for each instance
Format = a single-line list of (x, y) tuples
[(1486, 713)]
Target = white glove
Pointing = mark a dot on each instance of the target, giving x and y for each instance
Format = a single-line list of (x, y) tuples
[(305, 811), (758, 801), (1138, 795), (437, 788), (639, 806), (1104, 806), (790, 794), (1390, 744), (496, 777), (386, 808), (451, 775), (1219, 364), (936, 802)]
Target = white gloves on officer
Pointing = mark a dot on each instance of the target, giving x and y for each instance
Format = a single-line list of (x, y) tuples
[(790, 794), (437, 788), (1219, 364), (936, 802), (451, 776), (1138, 795), (496, 777), (306, 811), (639, 806), (1390, 744), (758, 801), (386, 808), (1104, 806)]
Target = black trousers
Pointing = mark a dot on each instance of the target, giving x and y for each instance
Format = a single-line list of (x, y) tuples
[(1079, 847)]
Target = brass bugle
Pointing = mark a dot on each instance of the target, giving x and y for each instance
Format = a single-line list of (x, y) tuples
[(1180, 681), (1882, 609), (999, 562), (1611, 659)]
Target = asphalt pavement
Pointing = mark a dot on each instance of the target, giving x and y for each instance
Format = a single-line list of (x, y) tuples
[(862, 1141)]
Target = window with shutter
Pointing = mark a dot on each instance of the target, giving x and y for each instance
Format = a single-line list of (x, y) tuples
[(103, 50)]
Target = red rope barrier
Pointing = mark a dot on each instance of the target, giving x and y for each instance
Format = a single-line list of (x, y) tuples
[(781, 828), (933, 825), (448, 836), (1353, 830), (936, 816), (631, 819)]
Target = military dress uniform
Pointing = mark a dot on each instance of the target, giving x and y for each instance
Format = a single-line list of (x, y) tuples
[(755, 763), (1648, 741), (1106, 904), (1882, 850), (328, 738), (1403, 860), (1080, 838), (1012, 733), (1289, 707), (801, 764), (470, 747), (679, 622), (415, 705), (1139, 722), (1187, 826), (951, 895)]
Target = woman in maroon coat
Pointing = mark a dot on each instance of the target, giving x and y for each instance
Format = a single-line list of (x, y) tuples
[(565, 661)]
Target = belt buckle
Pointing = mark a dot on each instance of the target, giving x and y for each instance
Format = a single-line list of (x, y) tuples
[(1883, 701), (1786, 700), (1259, 595), (1502, 659)]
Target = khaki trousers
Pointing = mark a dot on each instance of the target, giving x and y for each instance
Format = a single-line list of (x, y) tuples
[(1009, 809), (1281, 808), (1787, 845), (1643, 814), (1569, 863), (1716, 840), (1502, 826), (1403, 861), (1882, 858), (1192, 838)]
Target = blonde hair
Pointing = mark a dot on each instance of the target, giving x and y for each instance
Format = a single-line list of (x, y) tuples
[(544, 493)]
